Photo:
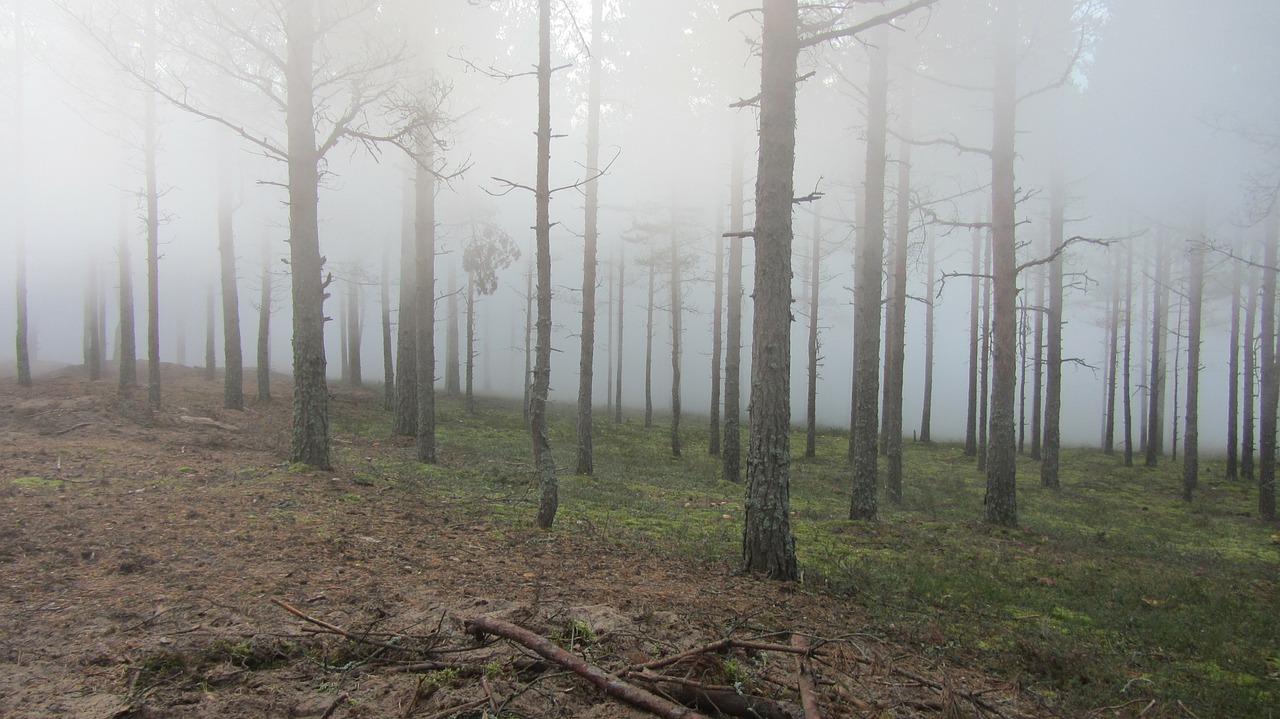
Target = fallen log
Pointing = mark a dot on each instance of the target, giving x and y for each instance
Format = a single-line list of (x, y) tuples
[(606, 682)]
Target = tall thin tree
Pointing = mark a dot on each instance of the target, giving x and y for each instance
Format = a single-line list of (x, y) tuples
[(1191, 458), (586, 355), (548, 488), (731, 449), (1233, 377), (1053, 343), (233, 354)]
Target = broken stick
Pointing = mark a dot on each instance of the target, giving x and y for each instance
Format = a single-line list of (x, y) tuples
[(805, 673), (606, 682)]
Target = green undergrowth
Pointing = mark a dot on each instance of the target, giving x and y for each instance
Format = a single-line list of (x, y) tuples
[(1112, 589)]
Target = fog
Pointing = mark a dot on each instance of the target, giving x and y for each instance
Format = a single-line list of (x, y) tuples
[(1157, 114)]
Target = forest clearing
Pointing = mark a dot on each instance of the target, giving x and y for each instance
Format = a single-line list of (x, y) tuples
[(148, 558)]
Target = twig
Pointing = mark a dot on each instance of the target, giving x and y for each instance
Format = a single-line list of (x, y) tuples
[(717, 646), (454, 710), (71, 429), (333, 707), (330, 628), (804, 674)]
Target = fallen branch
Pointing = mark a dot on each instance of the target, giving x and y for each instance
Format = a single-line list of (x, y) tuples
[(454, 710), (728, 643), (71, 429), (606, 682), (206, 422), (333, 706), (804, 672), (332, 629)]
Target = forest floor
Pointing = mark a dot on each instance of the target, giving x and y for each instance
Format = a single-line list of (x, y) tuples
[(145, 558)]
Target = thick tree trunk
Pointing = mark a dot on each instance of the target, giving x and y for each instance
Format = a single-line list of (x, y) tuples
[(717, 340), (926, 409), (404, 421), (1191, 460), (815, 278), (388, 348), (617, 383), (676, 302), (548, 490), (210, 345), (355, 330), (731, 449), (586, 355), (1128, 357), (21, 338), (1247, 443), (1270, 378), (648, 345), (1053, 344), (309, 441), (149, 152), (868, 267), (1155, 383), (897, 316), (128, 348), (768, 546), (232, 351), (452, 339), (1233, 375), (424, 311), (975, 342), (264, 326)]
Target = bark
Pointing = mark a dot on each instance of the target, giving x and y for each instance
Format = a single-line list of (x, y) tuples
[(232, 350), (1191, 459), (868, 267), (1037, 372), (1270, 378), (608, 364), (128, 348), (528, 337), (984, 368), (1053, 345), (1128, 357), (1113, 362), (388, 348), (717, 340), (1177, 375), (768, 547), (926, 410), (354, 332), (21, 336), (1155, 383), (617, 384), (210, 346), (309, 439), (897, 316), (731, 449), (1144, 388), (1250, 373), (975, 342), (1024, 332), (603, 681), (93, 337), (424, 311), (1233, 373), (452, 337), (1001, 498), (548, 500), (648, 346), (344, 356), (676, 311), (264, 326), (153, 207), (811, 407), (470, 373), (586, 355), (404, 421)]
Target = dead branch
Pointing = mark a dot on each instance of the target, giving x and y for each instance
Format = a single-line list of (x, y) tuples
[(204, 421), (333, 706), (71, 429), (728, 702), (606, 682), (333, 629), (451, 711), (882, 19), (804, 674), (716, 646)]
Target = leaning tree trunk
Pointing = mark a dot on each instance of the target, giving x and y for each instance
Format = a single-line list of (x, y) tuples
[(926, 410), (975, 342), (717, 340), (768, 546), (1270, 378), (1191, 458), (233, 354), (1250, 373), (1233, 376), (404, 420), (153, 208), (424, 311), (868, 268), (815, 277), (676, 301), (1053, 344), (264, 326), (1155, 383), (586, 355), (21, 339), (128, 348), (731, 449), (548, 489), (897, 317)]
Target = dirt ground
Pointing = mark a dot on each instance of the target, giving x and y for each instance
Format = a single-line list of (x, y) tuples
[(140, 554)]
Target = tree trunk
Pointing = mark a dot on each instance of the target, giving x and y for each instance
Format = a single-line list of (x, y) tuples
[(731, 449), (424, 310), (717, 339), (868, 267), (354, 332), (452, 339), (1128, 357), (896, 353), (984, 366), (1144, 387), (676, 302), (21, 339), (648, 347), (1191, 461), (210, 345), (233, 353), (470, 379), (815, 278), (128, 348), (528, 337), (1024, 333), (1037, 372), (264, 326), (586, 356), (1233, 373), (1113, 361), (153, 207), (404, 422), (617, 384), (548, 500), (344, 355), (1270, 378), (926, 410), (1177, 367), (768, 546), (975, 342), (1250, 373), (388, 364), (1155, 383), (92, 365), (1053, 343), (608, 364)]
